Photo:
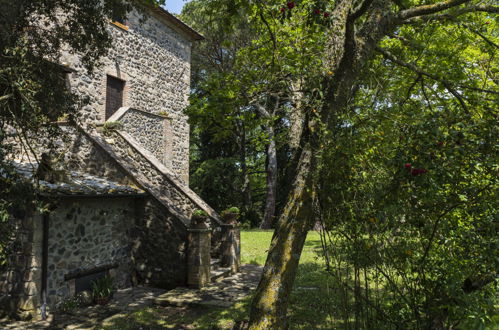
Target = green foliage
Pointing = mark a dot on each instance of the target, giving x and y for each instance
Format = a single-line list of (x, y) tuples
[(164, 114), (199, 214), (408, 190), (233, 70), (69, 305), (407, 170), (110, 126), (103, 288), (231, 210)]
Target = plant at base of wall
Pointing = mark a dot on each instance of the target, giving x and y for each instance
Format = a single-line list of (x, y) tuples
[(164, 114), (102, 290), (111, 126), (199, 219), (69, 304)]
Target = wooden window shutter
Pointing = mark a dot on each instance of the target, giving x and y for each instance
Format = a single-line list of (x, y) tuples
[(114, 95)]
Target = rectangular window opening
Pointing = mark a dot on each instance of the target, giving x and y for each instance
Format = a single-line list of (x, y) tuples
[(114, 95)]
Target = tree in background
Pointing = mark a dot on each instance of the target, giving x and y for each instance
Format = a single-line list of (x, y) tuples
[(243, 90), (33, 92)]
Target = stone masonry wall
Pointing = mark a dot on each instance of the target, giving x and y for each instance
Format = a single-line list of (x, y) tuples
[(80, 154), (84, 234), (157, 181), (153, 132), (154, 62)]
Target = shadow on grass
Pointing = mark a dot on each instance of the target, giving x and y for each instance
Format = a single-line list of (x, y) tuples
[(180, 318)]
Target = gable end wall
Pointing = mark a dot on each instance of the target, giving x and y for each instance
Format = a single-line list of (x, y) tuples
[(154, 62)]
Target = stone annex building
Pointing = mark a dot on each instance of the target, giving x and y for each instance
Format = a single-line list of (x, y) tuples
[(123, 207)]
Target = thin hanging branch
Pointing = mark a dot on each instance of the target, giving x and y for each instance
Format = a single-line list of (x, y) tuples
[(428, 9), (447, 84)]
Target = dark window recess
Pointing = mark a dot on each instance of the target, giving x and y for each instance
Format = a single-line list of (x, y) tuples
[(119, 16), (85, 282), (114, 95)]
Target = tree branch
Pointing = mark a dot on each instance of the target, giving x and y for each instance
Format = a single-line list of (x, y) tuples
[(447, 84), (5, 97), (456, 13), (361, 10), (428, 9), (261, 109)]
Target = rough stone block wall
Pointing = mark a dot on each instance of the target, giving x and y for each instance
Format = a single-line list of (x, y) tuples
[(85, 233), (153, 132), (159, 248), (80, 154), (154, 62), (20, 278), (157, 180)]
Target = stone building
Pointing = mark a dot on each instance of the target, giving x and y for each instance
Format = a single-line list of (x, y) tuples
[(123, 206)]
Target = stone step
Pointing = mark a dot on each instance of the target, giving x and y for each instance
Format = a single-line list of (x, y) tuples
[(220, 273), (223, 293)]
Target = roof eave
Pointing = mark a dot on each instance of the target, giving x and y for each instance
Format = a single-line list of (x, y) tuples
[(176, 22)]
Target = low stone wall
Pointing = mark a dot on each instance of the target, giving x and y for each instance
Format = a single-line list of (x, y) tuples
[(153, 132), (80, 154)]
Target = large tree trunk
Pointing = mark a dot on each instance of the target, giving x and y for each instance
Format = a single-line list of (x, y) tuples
[(270, 200), (345, 55), (270, 303)]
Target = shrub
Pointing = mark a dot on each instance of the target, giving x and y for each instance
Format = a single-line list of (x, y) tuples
[(102, 289)]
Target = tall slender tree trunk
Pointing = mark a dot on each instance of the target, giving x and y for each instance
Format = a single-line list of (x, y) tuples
[(246, 188), (271, 169)]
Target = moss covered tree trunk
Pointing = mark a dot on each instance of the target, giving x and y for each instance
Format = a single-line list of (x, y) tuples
[(272, 296)]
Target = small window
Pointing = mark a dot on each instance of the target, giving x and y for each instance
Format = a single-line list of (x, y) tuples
[(114, 95), (119, 20)]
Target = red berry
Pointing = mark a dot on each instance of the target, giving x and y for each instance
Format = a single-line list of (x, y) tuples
[(487, 22), (326, 15), (283, 9), (408, 165), (317, 11), (291, 4)]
